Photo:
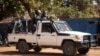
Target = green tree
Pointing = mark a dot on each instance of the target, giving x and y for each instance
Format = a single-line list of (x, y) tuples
[(74, 8)]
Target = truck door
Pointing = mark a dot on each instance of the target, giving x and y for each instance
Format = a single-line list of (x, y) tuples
[(47, 36)]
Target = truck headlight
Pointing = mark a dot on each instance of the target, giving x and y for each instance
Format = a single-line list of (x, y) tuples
[(77, 37), (87, 37)]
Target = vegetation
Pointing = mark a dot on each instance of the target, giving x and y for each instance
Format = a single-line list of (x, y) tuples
[(73, 8)]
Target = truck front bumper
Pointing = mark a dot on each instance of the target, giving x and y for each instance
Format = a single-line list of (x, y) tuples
[(82, 45), (93, 43), (85, 44)]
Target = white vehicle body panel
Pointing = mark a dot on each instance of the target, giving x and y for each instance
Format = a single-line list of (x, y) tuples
[(47, 39), (28, 37)]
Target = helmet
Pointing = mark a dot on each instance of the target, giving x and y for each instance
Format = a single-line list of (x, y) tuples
[(37, 12), (45, 12)]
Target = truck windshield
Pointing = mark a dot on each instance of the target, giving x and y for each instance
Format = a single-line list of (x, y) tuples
[(62, 26)]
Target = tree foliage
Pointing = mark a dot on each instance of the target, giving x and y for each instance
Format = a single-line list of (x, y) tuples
[(73, 9)]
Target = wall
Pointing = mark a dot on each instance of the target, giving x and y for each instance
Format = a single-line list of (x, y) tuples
[(84, 25)]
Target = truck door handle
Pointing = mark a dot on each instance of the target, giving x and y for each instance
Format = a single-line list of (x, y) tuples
[(38, 35)]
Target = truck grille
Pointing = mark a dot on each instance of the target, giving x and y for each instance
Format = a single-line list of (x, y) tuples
[(86, 38)]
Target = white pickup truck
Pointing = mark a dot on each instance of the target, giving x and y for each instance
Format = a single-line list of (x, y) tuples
[(55, 34)]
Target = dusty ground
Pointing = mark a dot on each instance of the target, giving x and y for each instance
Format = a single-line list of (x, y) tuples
[(11, 51)]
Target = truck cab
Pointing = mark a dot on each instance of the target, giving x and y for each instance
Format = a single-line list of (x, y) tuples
[(54, 34)]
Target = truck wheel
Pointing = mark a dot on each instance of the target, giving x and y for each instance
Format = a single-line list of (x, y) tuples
[(69, 48), (37, 49), (23, 47), (83, 50)]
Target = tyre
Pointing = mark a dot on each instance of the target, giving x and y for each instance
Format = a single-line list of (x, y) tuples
[(23, 47), (69, 48), (37, 49), (83, 50)]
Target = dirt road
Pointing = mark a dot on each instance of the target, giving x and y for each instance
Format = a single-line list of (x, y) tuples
[(11, 51)]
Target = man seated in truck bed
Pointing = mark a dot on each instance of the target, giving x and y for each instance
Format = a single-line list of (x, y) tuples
[(22, 26)]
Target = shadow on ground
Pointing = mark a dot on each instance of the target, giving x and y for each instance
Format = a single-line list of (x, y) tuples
[(12, 53)]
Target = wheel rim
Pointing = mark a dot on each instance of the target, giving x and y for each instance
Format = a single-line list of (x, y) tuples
[(23, 48), (69, 49)]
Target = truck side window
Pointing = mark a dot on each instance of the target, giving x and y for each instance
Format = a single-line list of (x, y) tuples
[(47, 27)]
